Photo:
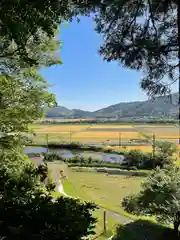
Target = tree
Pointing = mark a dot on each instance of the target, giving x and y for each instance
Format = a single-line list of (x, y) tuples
[(134, 158), (21, 20), (24, 92), (166, 149), (142, 35), (28, 210), (27, 207), (160, 196)]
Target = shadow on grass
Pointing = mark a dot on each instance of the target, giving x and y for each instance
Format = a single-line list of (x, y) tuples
[(144, 230), (105, 235)]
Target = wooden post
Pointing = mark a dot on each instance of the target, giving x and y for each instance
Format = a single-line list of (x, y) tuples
[(47, 143), (153, 148), (104, 221)]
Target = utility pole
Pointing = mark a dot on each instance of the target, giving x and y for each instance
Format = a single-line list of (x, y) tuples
[(47, 142), (119, 139), (153, 148)]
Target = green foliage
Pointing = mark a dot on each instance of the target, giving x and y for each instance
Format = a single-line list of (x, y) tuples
[(134, 158), (160, 196), (142, 35), (160, 109), (81, 160), (140, 160), (23, 20), (51, 156), (24, 93), (141, 230), (167, 149), (28, 209)]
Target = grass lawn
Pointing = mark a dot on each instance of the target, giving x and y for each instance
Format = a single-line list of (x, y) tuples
[(110, 226), (111, 223), (106, 191)]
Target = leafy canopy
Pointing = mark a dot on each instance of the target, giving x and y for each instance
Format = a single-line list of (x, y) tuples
[(22, 20), (160, 196), (166, 149), (24, 92), (142, 35), (27, 208)]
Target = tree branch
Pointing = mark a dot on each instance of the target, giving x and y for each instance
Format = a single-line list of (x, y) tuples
[(152, 17)]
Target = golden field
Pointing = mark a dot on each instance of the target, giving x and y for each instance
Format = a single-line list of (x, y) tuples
[(101, 133)]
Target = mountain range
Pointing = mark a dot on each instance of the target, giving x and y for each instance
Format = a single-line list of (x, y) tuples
[(159, 107)]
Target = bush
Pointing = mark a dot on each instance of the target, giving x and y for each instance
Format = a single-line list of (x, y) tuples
[(50, 157), (144, 230), (129, 203), (81, 160), (158, 197), (28, 210), (139, 160), (135, 158)]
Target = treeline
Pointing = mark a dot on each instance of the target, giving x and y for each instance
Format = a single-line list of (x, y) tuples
[(95, 121)]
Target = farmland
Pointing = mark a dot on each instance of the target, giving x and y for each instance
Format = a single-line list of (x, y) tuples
[(107, 134)]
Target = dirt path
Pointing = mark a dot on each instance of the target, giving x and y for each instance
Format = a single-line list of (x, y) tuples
[(119, 217)]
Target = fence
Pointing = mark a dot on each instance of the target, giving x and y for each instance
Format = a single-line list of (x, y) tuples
[(117, 139)]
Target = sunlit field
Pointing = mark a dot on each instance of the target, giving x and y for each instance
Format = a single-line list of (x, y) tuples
[(106, 191), (102, 133)]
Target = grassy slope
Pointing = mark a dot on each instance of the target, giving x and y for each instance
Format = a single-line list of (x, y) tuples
[(106, 191)]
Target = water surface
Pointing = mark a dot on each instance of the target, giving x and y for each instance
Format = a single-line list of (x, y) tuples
[(66, 153)]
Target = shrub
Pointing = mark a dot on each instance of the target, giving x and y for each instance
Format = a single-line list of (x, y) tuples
[(158, 197), (129, 203), (139, 160), (28, 210), (134, 158), (51, 156)]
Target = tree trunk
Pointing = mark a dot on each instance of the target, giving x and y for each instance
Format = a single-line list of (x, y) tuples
[(178, 25), (176, 227)]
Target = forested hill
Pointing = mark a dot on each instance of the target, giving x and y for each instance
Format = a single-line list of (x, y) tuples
[(160, 107)]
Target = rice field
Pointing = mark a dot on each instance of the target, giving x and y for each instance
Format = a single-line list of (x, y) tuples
[(102, 133)]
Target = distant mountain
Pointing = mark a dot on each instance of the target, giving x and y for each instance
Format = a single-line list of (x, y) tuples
[(159, 107), (63, 112)]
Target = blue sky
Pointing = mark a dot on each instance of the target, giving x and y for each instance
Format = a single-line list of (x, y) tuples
[(84, 80)]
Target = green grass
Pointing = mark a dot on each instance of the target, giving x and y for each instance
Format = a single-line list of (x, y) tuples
[(106, 190)]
